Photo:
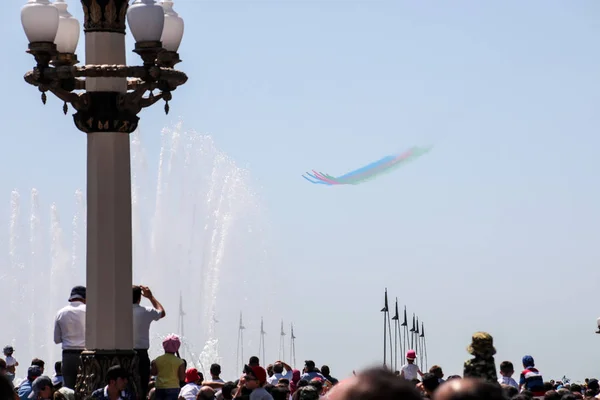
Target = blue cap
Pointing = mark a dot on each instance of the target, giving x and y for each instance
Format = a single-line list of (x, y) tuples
[(528, 361), (77, 293)]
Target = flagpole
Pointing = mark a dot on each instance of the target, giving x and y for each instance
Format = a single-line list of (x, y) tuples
[(293, 349), (424, 344), (282, 343), (396, 322), (384, 310), (240, 345), (261, 346), (405, 330)]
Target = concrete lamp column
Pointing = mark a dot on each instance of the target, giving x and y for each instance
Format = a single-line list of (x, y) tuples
[(109, 320)]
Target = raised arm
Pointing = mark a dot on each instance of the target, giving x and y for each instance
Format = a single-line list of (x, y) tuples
[(147, 293)]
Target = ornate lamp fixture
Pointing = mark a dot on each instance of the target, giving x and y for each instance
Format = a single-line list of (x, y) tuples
[(53, 36)]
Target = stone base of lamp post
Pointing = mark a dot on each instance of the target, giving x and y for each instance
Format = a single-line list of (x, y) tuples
[(95, 364)]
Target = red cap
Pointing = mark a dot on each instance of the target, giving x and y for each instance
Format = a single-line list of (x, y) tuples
[(411, 355), (192, 375), (259, 373)]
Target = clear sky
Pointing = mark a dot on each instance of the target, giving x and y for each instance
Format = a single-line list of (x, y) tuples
[(496, 229)]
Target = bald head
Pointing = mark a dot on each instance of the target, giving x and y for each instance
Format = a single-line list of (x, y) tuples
[(469, 389), (373, 384), (206, 393)]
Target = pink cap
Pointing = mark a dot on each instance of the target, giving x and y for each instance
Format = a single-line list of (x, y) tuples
[(411, 355)]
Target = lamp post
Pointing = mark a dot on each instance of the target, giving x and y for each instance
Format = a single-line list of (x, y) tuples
[(107, 96)]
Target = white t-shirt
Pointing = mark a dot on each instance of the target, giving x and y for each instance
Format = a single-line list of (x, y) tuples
[(10, 361), (410, 371), (142, 318), (189, 391)]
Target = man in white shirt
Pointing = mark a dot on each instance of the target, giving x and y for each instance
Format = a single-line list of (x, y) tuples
[(142, 318), (278, 373), (69, 329)]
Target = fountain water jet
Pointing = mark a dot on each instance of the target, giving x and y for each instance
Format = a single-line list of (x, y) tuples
[(184, 214)]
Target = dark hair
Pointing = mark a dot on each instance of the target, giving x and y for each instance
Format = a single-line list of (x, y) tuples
[(507, 366), (325, 370), (279, 393), (58, 367), (278, 368), (227, 390), (575, 388), (284, 381), (6, 389), (569, 396), (38, 362), (382, 384), (317, 384), (430, 382), (253, 361), (510, 391), (137, 294), (2, 364), (522, 396), (215, 369), (302, 383), (115, 372), (437, 371)]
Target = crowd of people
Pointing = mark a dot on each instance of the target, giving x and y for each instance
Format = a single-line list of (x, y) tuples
[(168, 377)]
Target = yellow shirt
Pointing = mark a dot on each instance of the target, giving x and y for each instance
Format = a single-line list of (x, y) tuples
[(168, 367)]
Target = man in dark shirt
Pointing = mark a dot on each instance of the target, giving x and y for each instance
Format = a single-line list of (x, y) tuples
[(327, 374)]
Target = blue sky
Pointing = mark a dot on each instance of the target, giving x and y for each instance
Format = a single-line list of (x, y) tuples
[(496, 229)]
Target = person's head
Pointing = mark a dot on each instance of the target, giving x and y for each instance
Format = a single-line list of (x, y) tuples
[(58, 368), (302, 383), (6, 388), (411, 355), (593, 385), (374, 384), (41, 388), (482, 345), (2, 366), (469, 389), (284, 382), (280, 393), (325, 370), (206, 393), (228, 390), (254, 361), (117, 378), (317, 383), (548, 386), (510, 391), (215, 370), (78, 294), (256, 377), (430, 383), (171, 344), (309, 365), (507, 368), (33, 372), (193, 376), (39, 363), (528, 362), (278, 368), (137, 294), (270, 370), (8, 351), (437, 371), (575, 388), (308, 392)]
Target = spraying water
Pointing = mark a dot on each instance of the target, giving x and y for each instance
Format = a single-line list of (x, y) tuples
[(198, 240)]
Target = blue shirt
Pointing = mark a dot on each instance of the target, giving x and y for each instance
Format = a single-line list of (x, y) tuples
[(312, 375), (24, 390)]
